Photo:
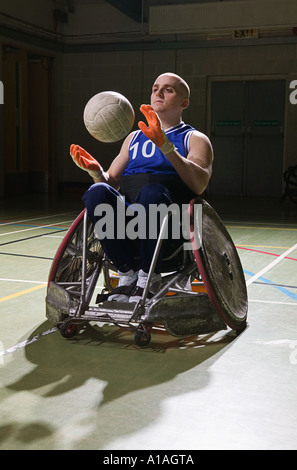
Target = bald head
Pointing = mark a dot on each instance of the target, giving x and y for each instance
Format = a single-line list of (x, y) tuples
[(179, 83)]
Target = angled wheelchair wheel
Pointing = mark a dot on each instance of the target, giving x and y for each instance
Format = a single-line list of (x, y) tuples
[(142, 336), (219, 264), (67, 264), (68, 330)]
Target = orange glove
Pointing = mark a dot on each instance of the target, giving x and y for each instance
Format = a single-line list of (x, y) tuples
[(155, 132), (85, 161)]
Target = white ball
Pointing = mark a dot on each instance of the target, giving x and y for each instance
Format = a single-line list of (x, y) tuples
[(108, 116)]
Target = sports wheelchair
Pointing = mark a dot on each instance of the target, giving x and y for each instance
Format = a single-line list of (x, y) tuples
[(290, 179), (203, 289)]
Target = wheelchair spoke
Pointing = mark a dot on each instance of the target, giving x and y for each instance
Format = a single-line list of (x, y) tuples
[(70, 265)]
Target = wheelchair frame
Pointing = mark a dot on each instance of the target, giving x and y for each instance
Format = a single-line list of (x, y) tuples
[(182, 307), (290, 179)]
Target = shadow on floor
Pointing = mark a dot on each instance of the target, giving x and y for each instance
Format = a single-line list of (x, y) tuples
[(108, 355)]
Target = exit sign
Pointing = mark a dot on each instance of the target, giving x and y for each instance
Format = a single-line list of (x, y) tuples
[(245, 33)]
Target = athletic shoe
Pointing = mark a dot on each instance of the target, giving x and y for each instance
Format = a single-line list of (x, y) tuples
[(141, 284), (125, 287)]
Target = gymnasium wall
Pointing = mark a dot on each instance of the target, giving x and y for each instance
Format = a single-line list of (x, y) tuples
[(101, 48)]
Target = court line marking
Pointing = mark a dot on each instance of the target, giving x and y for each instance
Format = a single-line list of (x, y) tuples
[(271, 265), (35, 228), (274, 284), (2, 253), (26, 342), (261, 228), (273, 302), (21, 280), (36, 225), (282, 289), (53, 236), (31, 237), (23, 292), (35, 218), (263, 246), (263, 252)]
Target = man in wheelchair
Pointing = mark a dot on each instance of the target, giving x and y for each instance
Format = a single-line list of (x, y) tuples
[(167, 162)]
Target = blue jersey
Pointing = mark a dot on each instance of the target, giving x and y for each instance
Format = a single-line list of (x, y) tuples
[(148, 165), (145, 157)]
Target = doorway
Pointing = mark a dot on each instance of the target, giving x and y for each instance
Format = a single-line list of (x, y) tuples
[(27, 122), (247, 134)]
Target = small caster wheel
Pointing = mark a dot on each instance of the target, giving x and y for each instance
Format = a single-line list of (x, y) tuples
[(142, 336), (68, 330)]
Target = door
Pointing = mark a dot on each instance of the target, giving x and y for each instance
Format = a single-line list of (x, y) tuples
[(247, 130), (40, 121), (27, 122), (227, 131), (264, 138), (15, 109)]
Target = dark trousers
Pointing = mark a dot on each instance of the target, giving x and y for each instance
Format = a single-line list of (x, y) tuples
[(124, 252)]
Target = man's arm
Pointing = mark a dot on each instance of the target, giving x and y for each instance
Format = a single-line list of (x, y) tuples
[(196, 169), (112, 176)]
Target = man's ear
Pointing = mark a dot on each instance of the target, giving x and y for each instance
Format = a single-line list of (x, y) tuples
[(185, 103)]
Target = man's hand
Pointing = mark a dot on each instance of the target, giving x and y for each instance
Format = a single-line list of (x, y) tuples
[(85, 161), (155, 132)]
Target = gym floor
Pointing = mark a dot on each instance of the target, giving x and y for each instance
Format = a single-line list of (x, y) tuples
[(100, 391)]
